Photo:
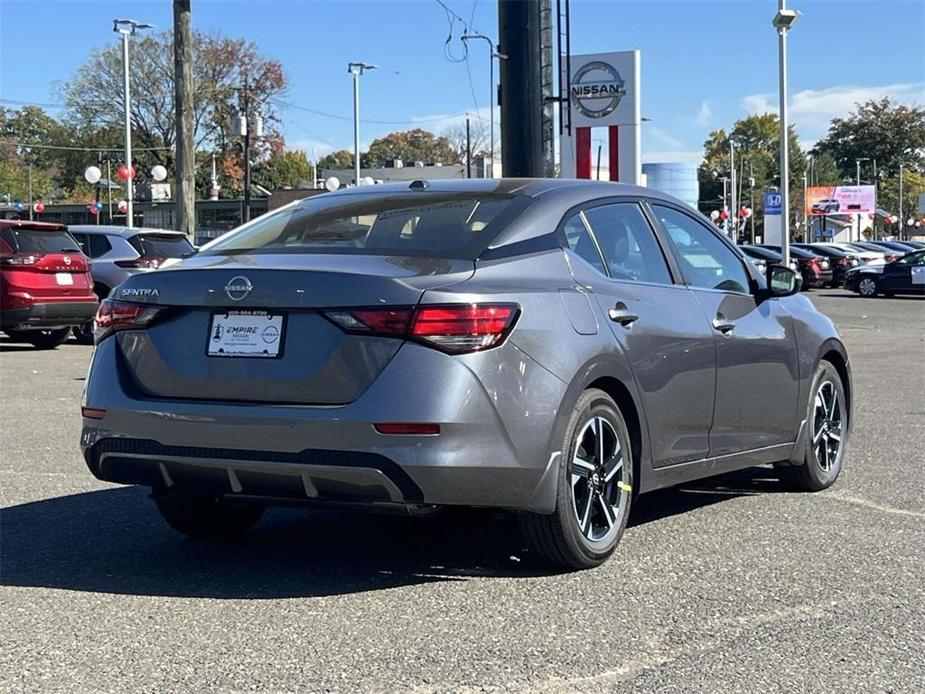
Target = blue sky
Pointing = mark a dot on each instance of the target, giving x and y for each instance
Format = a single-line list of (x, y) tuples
[(704, 62)]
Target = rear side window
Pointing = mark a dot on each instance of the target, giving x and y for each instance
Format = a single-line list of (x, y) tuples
[(39, 242), (161, 246), (580, 241), (420, 224), (628, 243)]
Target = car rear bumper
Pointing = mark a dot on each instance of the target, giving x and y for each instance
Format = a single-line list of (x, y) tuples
[(56, 314), (492, 449)]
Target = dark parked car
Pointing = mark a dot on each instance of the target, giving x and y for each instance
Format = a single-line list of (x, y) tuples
[(916, 245), (45, 284), (900, 247), (815, 269), (762, 257), (551, 347), (840, 261), (903, 276)]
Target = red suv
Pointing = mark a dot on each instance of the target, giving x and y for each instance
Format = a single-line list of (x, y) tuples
[(45, 284)]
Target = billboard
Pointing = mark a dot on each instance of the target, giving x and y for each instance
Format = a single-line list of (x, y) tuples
[(842, 200)]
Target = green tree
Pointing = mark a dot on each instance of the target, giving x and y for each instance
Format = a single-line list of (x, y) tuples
[(877, 130), (757, 143), (14, 181), (341, 159), (410, 146), (287, 168)]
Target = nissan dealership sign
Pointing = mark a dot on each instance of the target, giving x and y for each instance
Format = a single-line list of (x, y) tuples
[(604, 89)]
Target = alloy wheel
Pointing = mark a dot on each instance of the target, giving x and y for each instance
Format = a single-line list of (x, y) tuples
[(867, 287), (827, 426), (599, 475)]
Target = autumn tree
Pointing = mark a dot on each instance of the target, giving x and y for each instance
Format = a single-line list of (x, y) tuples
[(220, 67), (410, 146)]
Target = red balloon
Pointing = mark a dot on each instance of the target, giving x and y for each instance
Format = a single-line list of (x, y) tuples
[(39, 207), (743, 212), (123, 172), (724, 215)]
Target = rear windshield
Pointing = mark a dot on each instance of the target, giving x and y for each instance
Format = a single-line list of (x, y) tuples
[(39, 242), (162, 246), (417, 224)]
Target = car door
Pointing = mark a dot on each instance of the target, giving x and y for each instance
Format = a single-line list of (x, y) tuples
[(906, 274), (655, 322), (756, 351)]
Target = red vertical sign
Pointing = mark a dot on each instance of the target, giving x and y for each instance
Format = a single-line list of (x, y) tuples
[(583, 152), (613, 140)]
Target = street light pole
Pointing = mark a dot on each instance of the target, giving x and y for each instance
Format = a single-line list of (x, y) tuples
[(491, 92), (901, 220), (857, 164), (356, 69), (805, 216), (127, 28), (783, 21)]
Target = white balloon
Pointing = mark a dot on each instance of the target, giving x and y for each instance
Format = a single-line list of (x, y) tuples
[(368, 181), (92, 174), (158, 173), (714, 215), (332, 183)]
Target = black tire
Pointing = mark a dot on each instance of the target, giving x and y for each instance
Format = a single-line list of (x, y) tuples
[(206, 517), (83, 333), (562, 537), (816, 474), (868, 287), (40, 339)]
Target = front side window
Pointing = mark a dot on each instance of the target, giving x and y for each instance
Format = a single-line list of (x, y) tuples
[(706, 261), (912, 259), (627, 243)]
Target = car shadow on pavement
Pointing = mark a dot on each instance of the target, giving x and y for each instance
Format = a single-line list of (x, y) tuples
[(113, 541)]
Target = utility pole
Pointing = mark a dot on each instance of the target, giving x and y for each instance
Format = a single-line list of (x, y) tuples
[(600, 146), (519, 37), (902, 222), (805, 216), (183, 98), (30, 192), (468, 151), (246, 105), (751, 192)]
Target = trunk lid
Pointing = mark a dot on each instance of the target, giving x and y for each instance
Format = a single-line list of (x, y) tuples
[(317, 362)]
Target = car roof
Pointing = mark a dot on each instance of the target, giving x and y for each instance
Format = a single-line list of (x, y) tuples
[(123, 231), (34, 226)]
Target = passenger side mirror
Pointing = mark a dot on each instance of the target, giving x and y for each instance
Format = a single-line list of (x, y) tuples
[(782, 281)]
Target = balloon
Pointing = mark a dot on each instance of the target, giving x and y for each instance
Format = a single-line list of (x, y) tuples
[(332, 183), (92, 174), (724, 215), (714, 215), (123, 206), (158, 173), (124, 173), (38, 207), (18, 206)]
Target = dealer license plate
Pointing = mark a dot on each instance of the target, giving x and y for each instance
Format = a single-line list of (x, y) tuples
[(245, 334), (64, 278)]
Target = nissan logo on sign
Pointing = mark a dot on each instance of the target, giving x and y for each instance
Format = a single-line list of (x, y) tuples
[(238, 288), (597, 89)]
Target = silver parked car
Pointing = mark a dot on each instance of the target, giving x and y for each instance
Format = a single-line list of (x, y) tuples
[(118, 252), (551, 347)]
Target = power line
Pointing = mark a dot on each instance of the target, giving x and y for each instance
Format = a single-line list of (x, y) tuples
[(34, 145)]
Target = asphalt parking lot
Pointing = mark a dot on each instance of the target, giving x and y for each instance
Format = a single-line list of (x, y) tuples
[(725, 585)]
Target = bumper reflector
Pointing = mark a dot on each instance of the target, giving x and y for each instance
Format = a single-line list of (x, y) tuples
[(408, 429), (92, 412)]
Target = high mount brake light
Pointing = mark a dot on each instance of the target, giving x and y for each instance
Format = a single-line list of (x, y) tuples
[(455, 328), (116, 315)]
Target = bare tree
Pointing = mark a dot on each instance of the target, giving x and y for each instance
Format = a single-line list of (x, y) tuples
[(478, 135)]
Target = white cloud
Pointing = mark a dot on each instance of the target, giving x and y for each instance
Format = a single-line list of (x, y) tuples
[(704, 114), (811, 110), (311, 146), (656, 137)]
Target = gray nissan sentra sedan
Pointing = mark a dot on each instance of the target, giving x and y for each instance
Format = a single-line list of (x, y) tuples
[(551, 347)]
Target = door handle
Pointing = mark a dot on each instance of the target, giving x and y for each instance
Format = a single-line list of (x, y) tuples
[(723, 325), (622, 315)]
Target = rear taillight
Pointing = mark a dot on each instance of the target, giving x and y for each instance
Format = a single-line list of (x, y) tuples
[(456, 328), (465, 328), (844, 261), (20, 259), (143, 263), (116, 315)]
